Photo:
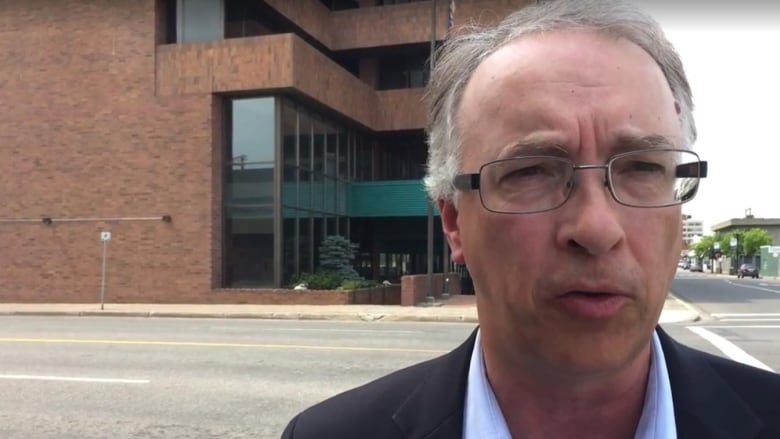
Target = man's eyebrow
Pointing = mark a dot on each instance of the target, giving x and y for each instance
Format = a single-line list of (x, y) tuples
[(526, 149), (633, 143)]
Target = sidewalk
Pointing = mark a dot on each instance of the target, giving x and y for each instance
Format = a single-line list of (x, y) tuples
[(456, 309)]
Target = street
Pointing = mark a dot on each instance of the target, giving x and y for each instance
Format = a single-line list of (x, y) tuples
[(740, 317), (105, 377), (123, 377)]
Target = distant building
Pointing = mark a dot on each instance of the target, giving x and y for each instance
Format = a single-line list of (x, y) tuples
[(692, 228), (771, 225)]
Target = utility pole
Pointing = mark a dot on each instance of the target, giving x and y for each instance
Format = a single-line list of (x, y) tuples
[(429, 297)]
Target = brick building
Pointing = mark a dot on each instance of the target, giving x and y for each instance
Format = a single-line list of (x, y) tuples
[(217, 140)]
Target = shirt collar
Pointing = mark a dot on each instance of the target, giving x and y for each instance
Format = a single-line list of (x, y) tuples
[(483, 418)]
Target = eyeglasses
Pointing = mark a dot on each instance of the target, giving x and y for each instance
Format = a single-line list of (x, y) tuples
[(644, 178)]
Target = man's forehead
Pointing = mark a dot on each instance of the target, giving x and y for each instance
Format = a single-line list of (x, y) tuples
[(540, 82), (543, 55)]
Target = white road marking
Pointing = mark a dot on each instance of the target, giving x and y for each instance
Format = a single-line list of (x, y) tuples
[(751, 286), (730, 349), (744, 326), (218, 345), (76, 379), (746, 314), (750, 320), (350, 331)]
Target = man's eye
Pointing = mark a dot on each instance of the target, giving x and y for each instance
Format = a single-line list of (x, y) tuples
[(526, 171), (639, 166), (527, 174)]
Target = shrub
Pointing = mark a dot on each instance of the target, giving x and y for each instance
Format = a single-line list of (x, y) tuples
[(336, 255), (354, 284), (323, 280)]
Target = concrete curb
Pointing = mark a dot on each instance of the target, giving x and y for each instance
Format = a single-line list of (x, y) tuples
[(677, 311), (259, 316), (697, 314), (675, 317), (680, 317)]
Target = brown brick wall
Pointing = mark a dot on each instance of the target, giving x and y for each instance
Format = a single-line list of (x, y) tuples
[(485, 11), (409, 23), (400, 109), (400, 24), (83, 135), (242, 64), (321, 79), (96, 121), (414, 288), (255, 63), (310, 15)]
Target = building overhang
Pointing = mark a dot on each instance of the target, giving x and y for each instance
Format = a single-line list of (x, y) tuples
[(283, 63)]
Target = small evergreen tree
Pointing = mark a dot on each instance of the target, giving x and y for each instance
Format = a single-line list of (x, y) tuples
[(336, 255)]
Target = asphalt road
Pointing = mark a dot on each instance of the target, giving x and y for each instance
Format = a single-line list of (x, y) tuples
[(105, 377), (94, 377), (740, 317)]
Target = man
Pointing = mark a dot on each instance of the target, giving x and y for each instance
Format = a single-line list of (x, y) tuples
[(559, 156)]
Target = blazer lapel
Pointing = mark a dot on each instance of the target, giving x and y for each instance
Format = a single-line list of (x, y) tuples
[(434, 410), (705, 406)]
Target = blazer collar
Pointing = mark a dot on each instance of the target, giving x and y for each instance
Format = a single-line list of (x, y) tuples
[(434, 410), (704, 404)]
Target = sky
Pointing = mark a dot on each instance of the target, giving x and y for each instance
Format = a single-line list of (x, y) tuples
[(731, 54)]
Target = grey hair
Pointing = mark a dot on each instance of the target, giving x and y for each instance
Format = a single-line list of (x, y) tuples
[(462, 53)]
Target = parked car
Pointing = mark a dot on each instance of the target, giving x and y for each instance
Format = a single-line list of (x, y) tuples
[(695, 266), (748, 270)]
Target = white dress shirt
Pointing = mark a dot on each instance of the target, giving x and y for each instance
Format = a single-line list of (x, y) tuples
[(483, 418)]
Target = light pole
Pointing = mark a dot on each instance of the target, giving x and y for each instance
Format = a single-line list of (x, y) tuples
[(734, 243), (429, 294)]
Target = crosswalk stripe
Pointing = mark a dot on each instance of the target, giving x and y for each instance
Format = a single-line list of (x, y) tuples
[(730, 349), (749, 320), (747, 314), (743, 326)]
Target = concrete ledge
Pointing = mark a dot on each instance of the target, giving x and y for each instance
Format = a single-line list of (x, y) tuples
[(675, 311)]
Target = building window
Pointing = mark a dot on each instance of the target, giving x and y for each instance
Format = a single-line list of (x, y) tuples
[(248, 18), (315, 185), (166, 21), (340, 5), (199, 20), (397, 2), (249, 197), (313, 198), (407, 70)]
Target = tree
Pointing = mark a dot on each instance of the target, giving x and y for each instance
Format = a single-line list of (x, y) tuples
[(725, 244), (336, 256), (752, 240), (703, 247)]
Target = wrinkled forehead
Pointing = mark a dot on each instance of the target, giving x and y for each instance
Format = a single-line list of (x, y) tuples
[(570, 87)]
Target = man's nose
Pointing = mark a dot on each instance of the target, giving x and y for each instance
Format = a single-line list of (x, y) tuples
[(590, 220)]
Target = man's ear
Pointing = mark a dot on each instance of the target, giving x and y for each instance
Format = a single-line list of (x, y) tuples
[(449, 223)]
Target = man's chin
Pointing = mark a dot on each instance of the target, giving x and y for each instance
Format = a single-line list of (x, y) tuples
[(593, 352)]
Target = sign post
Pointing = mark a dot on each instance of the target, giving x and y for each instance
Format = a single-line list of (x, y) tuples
[(104, 237)]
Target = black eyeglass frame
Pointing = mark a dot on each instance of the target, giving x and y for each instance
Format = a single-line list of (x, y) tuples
[(695, 169)]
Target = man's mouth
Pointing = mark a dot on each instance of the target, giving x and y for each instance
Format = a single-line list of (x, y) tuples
[(591, 294), (592, 304)]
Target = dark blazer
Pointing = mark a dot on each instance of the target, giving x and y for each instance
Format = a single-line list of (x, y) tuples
[(714, 398)]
